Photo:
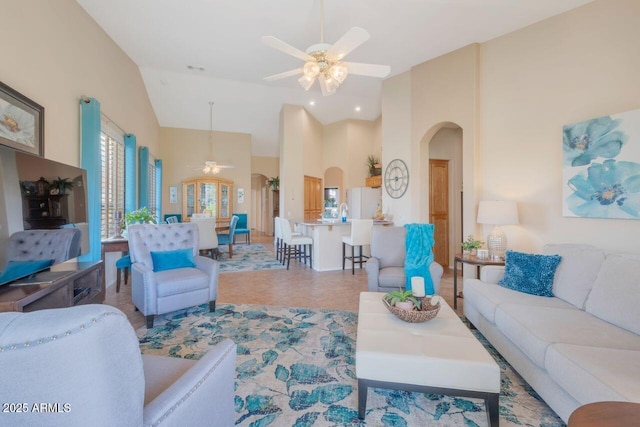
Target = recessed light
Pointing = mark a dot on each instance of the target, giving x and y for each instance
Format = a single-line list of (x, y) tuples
[(192, 67), (358, 108), (312, 103)]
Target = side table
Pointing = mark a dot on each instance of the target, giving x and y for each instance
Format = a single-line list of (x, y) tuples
[(471, 260), (605, 414)]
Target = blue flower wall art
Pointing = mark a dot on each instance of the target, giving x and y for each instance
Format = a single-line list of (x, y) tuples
[(601, 167)]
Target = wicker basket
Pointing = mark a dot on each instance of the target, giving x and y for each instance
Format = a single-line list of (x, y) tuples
[(426, 312)]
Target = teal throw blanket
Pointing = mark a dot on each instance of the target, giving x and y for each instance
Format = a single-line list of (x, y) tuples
[(419, 254)]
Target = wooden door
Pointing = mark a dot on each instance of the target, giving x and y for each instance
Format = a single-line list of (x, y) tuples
[(313, 193), (439, 209)]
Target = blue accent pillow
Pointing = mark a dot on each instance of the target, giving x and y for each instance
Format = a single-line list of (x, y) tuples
[(18, 269), (168, 260), (530, 273)]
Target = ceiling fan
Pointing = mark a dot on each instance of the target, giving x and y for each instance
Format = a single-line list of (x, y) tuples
[(211, 166), (324, 61)]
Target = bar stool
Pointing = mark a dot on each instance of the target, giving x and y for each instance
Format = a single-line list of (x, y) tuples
[(297, 243), (360, 236), (123, 263), (278, 238)]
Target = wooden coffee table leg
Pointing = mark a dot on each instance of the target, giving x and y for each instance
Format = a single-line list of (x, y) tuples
[(362, 398)]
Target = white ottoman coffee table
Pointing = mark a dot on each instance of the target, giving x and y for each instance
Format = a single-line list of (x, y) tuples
[(440, 356)]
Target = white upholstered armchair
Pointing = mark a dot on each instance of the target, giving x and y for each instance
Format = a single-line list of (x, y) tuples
[(81, 366), (167, 272)]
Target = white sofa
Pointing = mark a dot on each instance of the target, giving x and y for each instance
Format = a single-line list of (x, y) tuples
[(578, 347)]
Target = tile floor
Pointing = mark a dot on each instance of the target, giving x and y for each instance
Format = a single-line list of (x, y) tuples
[(300, 286)]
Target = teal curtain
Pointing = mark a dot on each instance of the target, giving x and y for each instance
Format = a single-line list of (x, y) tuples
[(90, 160), (129, 172), (158, 194), (143, 177)]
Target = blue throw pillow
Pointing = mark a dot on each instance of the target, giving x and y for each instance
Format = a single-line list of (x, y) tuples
[(168, 260), (530, 273), (18, 269)]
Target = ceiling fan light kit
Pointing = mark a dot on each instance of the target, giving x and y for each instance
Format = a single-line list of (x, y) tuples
[(210, 166), (324, 61)]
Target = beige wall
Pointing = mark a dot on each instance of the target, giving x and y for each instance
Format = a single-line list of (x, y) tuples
[(185, 151), (535, 81), (396, 140), (267, 166), (54, 54), (511, 97)]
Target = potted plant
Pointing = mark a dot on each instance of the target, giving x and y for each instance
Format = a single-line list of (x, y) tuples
[(60, 186), (403, 300), (274, 183), (139, 216), (373, 163), (471, 245)]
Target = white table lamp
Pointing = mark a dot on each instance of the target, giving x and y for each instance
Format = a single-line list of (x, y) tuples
[(497, 212)]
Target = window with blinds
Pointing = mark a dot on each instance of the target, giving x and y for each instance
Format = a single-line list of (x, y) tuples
[(153, 202), (112, 157)]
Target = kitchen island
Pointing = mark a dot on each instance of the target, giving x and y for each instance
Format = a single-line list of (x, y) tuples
[(327, 241)]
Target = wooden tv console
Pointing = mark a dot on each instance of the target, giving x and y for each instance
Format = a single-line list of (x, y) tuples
[(64, 285)]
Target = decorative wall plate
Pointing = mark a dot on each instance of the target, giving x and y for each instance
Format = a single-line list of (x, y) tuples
[(396, 178)]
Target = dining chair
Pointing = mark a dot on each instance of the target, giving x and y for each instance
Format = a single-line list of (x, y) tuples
[(227, 238), (207, 234)]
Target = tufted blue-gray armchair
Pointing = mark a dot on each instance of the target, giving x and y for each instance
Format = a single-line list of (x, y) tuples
[(81, 366), (31, 245), (156, 291)]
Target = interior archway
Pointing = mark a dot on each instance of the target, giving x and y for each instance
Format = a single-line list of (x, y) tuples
[(259, 215), (441, 151)]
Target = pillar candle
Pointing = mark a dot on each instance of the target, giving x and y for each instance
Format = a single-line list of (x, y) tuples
[(417, 286)]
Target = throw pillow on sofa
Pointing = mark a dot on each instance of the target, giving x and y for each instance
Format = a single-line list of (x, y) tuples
[(530, 273)]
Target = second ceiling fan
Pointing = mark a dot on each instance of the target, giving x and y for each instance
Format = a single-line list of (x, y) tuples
[(324, 62)]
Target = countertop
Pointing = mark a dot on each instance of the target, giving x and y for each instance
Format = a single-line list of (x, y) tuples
[(338, 221)]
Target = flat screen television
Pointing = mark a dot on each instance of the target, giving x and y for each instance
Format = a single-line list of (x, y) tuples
[(30, 204)]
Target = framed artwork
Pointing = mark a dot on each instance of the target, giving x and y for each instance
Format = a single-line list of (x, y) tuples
[(21, 122), (601, 167), (173, 194), (240, 195)]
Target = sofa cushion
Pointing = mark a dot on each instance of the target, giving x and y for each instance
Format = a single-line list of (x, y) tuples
[(593, 374), (615, 296), (392, 277), (486, 297), (577, 271), (530, 273), (180, 280), (533, 329)]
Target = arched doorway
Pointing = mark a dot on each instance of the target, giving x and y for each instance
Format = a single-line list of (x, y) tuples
[(442, 147)]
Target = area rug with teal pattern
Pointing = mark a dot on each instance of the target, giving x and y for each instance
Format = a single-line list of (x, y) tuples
[(247, 258), (296, 367)]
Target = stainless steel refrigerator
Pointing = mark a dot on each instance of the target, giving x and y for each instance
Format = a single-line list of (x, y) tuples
[(363, 202)]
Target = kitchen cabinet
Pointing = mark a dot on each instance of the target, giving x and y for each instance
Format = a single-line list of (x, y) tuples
[(207, 195)]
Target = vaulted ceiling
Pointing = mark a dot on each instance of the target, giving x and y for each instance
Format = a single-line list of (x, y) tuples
[(192, 52)]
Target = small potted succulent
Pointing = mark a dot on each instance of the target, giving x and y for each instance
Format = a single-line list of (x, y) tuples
[(470, 245), (403, 300)]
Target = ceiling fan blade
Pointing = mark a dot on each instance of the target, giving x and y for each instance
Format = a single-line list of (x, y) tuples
[(286, 48), (324, 88), (283, 75), (351, 40), (371, 70)]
